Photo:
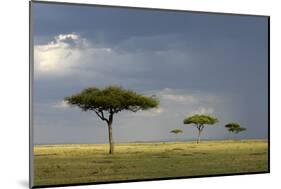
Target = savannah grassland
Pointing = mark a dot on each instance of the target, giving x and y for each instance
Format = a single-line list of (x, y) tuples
[(84, 163)]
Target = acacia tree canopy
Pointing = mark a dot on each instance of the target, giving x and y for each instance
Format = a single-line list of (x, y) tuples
[(200, 120), (176, 131), (106, 102), (111, 99)]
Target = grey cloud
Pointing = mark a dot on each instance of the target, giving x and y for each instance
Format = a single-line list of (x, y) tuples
[(192, 62)]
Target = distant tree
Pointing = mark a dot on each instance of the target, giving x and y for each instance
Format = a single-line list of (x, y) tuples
[(106, 102), (199, 121), (176, 131), (234, 127), (231, 127)]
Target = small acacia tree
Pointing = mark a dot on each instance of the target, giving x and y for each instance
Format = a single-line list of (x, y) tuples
[(199, 121), (234, 128), (176, 131), (107, 102)]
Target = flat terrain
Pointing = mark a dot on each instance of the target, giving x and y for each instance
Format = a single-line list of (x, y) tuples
[(66, 164)]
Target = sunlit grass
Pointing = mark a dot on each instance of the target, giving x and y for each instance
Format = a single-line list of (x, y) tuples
[(82, 163)]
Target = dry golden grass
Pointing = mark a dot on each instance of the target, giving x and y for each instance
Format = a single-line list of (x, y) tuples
[(84, 163)]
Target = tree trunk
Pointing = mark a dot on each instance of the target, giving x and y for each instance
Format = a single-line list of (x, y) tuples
[(111, 144), (199, 134)]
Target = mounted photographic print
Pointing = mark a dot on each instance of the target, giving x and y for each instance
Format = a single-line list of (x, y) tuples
[(122, 94)]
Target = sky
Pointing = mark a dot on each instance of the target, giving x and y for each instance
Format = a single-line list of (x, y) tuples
[(195, 63)]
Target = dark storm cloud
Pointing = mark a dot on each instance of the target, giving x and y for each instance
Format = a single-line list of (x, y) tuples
[(218, 61)]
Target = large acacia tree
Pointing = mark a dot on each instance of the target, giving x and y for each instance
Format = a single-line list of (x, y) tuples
[(106, 102), (199, 121)]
